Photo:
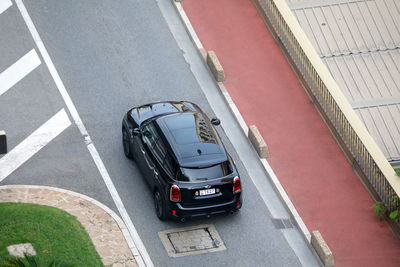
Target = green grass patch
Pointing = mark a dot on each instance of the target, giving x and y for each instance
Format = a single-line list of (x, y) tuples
[(398, 172), (54, 234)]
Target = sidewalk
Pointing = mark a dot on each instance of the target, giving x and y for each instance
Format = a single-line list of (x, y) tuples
[(303, 154), (105, 228)]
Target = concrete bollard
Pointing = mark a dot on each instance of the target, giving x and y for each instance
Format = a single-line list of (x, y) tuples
[(215, 66), (258, 142), (322, 249), (3, 142)]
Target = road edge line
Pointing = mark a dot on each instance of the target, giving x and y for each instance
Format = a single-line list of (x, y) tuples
[(138, 250)]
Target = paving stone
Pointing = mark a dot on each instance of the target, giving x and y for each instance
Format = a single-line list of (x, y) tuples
[(131, 263), (19, 250)]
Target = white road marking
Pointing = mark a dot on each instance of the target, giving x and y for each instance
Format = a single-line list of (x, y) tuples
[(4, 5), (18, 70), (33, 143), (136, 245)]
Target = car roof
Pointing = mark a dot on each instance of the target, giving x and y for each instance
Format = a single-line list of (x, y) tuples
[(142, 113), (192, 138)]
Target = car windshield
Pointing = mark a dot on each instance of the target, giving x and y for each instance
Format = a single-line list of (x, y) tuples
[(207, 173)]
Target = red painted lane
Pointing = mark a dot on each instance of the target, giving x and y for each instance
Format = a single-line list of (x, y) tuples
[(311, 167)]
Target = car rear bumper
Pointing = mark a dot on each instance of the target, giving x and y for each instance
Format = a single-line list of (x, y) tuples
[(182, 213)]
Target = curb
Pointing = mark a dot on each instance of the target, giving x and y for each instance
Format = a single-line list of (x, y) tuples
[(277, 185), (322, 249), (258, 142), (121, 225), (215, 66)]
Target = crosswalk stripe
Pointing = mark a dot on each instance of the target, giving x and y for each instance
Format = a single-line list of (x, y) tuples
[(4, 4), (18, 70), (33, 143)]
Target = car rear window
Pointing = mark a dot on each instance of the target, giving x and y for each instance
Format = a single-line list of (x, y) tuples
[(207, 173)]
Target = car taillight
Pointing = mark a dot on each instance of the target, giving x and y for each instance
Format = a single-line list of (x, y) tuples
[(236, 185), (175, 194)]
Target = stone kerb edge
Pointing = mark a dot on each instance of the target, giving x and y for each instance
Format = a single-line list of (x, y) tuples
[(258, 142), (203, 53), (118, 220), (322, 249), (215, 66)]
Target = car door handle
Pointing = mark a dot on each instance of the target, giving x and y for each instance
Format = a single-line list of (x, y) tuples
[(151, 166)]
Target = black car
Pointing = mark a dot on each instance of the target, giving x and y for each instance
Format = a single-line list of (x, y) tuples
[(182, 159)]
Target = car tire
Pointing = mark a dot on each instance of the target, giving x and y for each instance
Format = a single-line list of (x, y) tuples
[(126, 144), (159, 206)]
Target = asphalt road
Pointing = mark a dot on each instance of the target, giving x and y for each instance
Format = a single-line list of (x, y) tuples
[(112, 55)]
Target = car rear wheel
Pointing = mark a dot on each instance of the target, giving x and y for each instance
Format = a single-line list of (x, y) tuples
[(125, 143), (159, 206)]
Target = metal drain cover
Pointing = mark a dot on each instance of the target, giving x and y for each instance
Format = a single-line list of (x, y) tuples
[(191, 240)]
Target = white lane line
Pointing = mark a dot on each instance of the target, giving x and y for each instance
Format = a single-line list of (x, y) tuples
[(33, 143), (18, 70), (137, 247), (4, 5)]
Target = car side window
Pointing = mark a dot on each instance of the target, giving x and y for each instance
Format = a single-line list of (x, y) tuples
[(169, 164), (150, 135), (153, 140), (159, 150)]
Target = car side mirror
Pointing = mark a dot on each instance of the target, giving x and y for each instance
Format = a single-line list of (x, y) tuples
[(215, 121), (136, 132)]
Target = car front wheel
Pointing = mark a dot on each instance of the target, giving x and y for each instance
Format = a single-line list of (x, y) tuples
[(159, 206), (125, 143)]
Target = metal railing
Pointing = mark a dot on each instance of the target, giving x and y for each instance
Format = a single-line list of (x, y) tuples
[(352, 132)]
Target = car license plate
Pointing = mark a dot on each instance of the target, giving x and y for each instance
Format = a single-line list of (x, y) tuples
[(205, 192)]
